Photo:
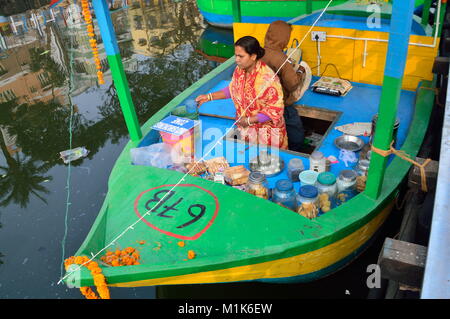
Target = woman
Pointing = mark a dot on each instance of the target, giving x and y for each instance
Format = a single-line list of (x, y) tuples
[(257, 96)]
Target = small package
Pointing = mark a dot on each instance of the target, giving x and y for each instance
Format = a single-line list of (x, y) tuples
[(183, 136), (218, 164), (237, 175)]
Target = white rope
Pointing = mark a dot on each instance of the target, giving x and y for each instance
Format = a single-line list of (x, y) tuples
[(203, 157)]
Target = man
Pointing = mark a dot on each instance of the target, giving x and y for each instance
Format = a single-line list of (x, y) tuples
[(294, 82)]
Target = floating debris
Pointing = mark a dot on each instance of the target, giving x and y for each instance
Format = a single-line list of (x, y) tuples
[(73, 154)]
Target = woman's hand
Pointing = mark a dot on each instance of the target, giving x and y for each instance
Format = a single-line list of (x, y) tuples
[(201, 99), (244, 121)]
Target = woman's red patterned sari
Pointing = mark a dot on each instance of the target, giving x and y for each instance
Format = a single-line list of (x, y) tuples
[(244, 88)]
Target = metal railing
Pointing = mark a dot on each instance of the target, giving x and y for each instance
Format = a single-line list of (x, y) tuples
[(436, 280)]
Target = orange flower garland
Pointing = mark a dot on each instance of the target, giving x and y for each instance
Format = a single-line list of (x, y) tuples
[(90, 31), (99, 279)]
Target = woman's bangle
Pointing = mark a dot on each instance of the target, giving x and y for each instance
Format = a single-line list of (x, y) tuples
[(210, 98), (248, 121)]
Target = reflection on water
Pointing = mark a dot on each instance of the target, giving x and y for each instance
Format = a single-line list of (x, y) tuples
[(46, 71)]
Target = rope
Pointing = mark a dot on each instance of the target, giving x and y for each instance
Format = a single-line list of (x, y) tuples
[(406, 157), (131, 227), (63, 242)]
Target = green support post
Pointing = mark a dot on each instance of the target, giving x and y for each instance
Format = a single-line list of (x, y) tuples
[(118, 74), (236, 5), (400, 29)]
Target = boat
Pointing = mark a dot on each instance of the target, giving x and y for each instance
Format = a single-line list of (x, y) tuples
[(219, 13), (216, 44), (205, 232)]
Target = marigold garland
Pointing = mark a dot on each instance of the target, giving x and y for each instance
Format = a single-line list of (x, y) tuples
[(90, 31), (99, 278)]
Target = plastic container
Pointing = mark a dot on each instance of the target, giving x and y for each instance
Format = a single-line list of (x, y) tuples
[(346, 186), (257, 185), (284, 194), (188, 110), (191, 106), (307, 194), (308, 177), (317, 162), (363, 167), (157, 155), (326, 183), (295, 167), (307, 201)]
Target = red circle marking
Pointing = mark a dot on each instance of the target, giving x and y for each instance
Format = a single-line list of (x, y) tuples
[(196, 236)]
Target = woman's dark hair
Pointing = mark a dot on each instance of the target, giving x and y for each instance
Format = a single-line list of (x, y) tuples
[(251, 46)]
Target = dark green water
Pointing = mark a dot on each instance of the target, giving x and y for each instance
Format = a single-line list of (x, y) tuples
[(157, 41)]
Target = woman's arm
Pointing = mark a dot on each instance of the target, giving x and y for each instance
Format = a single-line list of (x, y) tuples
[(219, 95)]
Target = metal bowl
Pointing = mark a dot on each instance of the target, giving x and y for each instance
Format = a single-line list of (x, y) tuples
[(349, 143)]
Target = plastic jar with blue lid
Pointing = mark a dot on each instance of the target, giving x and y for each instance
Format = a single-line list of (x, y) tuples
[(284, 194), (307, 201), (307, 194)]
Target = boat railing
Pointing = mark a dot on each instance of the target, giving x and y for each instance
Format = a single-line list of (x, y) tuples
[(436, 284)]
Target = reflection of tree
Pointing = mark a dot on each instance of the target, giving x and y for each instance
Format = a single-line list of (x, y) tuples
[(150, 91), (40, 60), (20, 178), (41, 128)]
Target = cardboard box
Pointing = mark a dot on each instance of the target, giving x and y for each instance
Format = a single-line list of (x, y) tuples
[(183, 136)]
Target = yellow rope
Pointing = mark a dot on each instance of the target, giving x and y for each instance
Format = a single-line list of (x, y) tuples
[(406, 157)]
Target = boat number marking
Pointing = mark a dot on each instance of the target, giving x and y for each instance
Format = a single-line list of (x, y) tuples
[(164, 198), (168, 208)]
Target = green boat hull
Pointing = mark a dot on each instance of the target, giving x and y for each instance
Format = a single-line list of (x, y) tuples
[(281, 246)]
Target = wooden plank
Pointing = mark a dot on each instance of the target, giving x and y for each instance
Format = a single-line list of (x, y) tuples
[(402, 262), (431, 173), (316, 113)]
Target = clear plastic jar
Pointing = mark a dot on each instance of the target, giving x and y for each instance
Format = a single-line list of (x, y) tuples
[(326, 183), (284, 194), (362, 170), (307, 194), (295, 167), (346, 185), (317, 162), (307, 201), (308, 177), (257, 185)]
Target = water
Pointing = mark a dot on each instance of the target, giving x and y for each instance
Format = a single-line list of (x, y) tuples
[(34, 123)]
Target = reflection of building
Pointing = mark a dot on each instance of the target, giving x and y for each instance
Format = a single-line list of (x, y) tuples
[(152, 24), (78, 46), (18, 81)]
